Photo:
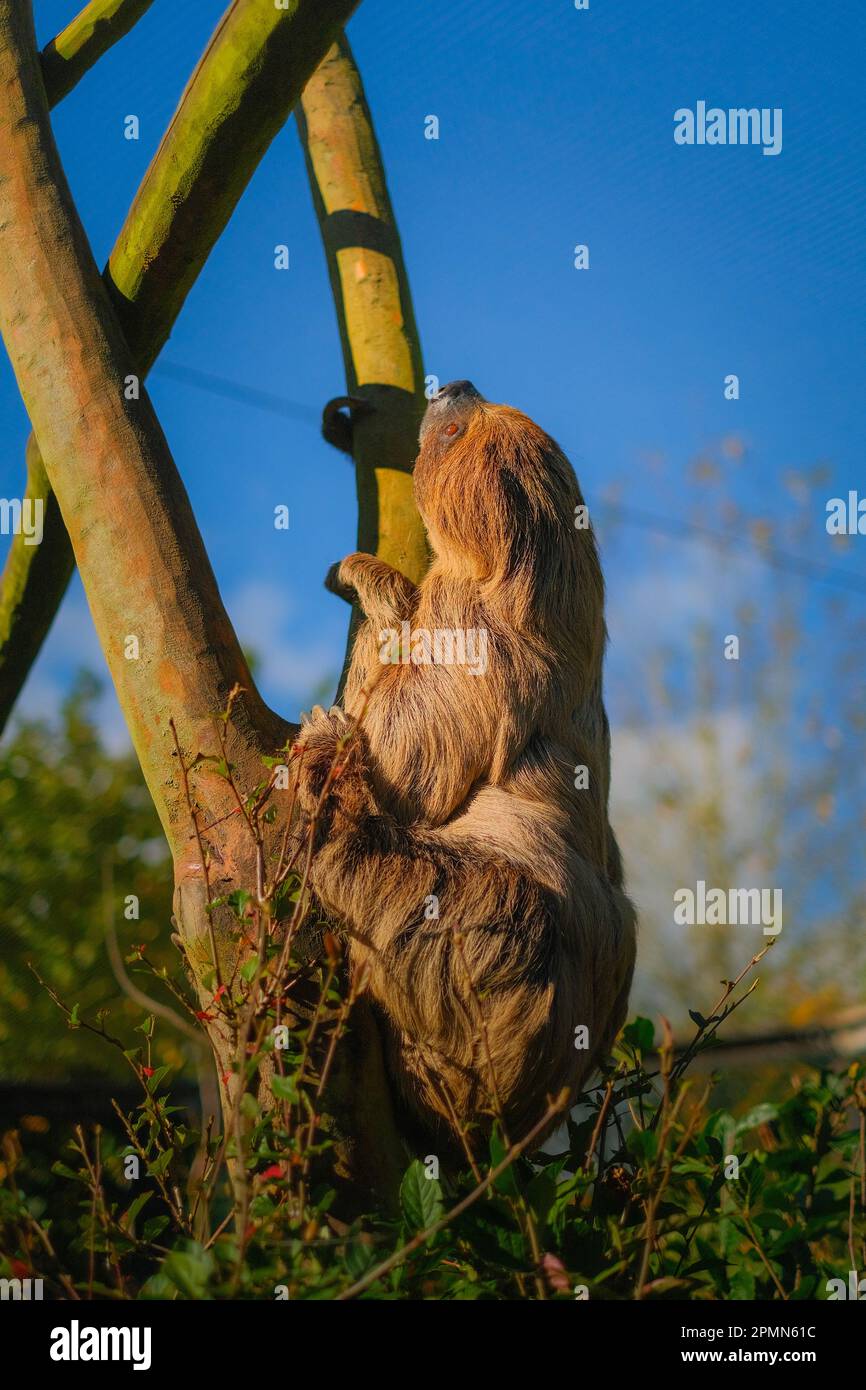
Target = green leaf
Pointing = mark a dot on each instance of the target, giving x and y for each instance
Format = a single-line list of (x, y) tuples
[(249, 968), (566, 1192), (506, 1182), (190, 1269), (158, 1286), (249, 1106), (284, 1087), (809, 1288), (687, 1166), (720, 1125), (63, 1171), (420, 1197), (541, 1193), (759, 1115), (640, 1034), (153, 1228), (135, 1207), (495, 1243), (359, 1258), (742, 1285), (642, 1143), (159, 1165), (829, 1170)]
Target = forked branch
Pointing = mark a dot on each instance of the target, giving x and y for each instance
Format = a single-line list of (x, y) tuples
[(98, 27), (240, 94)]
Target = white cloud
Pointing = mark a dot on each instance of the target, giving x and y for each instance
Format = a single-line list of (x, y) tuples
[(688, 583), (688, 803), (260, 609), (290, 668), (712, 751)]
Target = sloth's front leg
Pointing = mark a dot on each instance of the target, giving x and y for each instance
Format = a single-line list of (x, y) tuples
[(330, 754), (385, 595)]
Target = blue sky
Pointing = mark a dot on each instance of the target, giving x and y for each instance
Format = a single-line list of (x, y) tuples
[(556, 128)]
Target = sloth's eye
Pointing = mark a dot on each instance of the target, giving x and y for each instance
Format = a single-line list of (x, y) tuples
[(451, 429)]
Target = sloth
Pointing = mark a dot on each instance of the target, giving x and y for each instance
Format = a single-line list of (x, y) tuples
[(465, 844)]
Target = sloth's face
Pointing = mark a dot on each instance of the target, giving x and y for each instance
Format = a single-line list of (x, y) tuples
[(488, 481), (451, 437), (462, 431), (450, 450), (448, 415)]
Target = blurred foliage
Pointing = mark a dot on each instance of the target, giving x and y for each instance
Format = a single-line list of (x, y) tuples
[(66, 803)]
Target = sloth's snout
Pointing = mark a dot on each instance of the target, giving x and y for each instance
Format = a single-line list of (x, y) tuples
[(457, 390), (456, 396)]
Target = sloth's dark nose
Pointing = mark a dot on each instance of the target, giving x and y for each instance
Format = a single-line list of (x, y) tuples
[(456, 389)]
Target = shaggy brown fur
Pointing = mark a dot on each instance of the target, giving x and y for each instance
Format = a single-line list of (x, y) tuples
[(498, 499), (458, 794)]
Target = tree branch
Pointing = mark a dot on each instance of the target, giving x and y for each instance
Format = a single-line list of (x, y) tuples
[(91, 33), (238, 97), (142, 560), (134, 537), (381, 348), (34, 580)]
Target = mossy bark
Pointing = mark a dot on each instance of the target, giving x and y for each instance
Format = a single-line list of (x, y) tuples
[(134, 537), (91, 33), (239, 96), (378, 333)]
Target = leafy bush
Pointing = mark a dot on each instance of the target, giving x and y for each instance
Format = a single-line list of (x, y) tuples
[(651, 1194), (64, 800)]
